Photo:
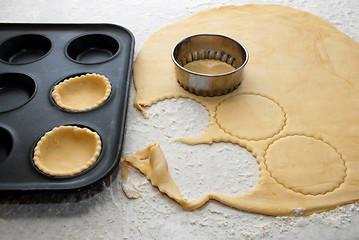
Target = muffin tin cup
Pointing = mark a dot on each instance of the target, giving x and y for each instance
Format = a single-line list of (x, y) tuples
[(91, 89), (103, 149), (92, 49), (28, 74), (6, 144), (24, 48), (51, 99), (16, 89)]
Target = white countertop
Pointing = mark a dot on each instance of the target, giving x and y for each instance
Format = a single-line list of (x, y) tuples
[(107, 213)]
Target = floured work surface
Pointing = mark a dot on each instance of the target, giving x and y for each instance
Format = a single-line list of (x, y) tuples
[(297, 109)]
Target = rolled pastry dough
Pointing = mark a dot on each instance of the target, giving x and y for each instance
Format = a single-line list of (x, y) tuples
[(297, 109)]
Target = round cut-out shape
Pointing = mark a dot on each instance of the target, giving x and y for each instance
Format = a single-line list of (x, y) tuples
[(92, 49), (209, 66), (6, 143), (82, 93), (24, 49), (250, 117), (67, 150), (16, 89), (305, 165)]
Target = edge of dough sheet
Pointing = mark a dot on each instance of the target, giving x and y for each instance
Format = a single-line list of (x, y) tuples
[(329, 73)]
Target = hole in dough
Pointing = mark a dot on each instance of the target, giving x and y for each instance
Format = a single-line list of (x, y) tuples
[(224, 168), (197, 169), (167, 120)]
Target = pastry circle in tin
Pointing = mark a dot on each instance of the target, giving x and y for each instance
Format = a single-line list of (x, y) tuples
[(83, 92), (67, 150)]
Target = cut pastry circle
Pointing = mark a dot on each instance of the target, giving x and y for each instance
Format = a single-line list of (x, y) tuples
[(209, 66), (305, 164), (67, 150), (82, 93), (266, 117)]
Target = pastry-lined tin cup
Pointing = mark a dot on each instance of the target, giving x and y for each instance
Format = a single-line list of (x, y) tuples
[(209, 46), (34, 56)]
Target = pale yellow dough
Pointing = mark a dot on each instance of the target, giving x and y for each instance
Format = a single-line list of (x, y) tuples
[(67, 150), (209, 66), (82, 92), (297, 109)]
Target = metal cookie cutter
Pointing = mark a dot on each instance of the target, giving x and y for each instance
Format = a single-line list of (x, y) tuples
[(209, 46)]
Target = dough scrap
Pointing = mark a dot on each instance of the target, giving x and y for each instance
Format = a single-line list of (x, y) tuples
[(67, 150), (82, 92), (302, 66)]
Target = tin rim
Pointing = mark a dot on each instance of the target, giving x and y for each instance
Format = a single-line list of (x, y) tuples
[(209, 75)]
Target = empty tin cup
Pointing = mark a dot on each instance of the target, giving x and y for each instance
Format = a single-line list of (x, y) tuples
[(209, 46)]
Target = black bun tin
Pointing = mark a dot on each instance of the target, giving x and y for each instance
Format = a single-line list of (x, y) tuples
[(33, 59)]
